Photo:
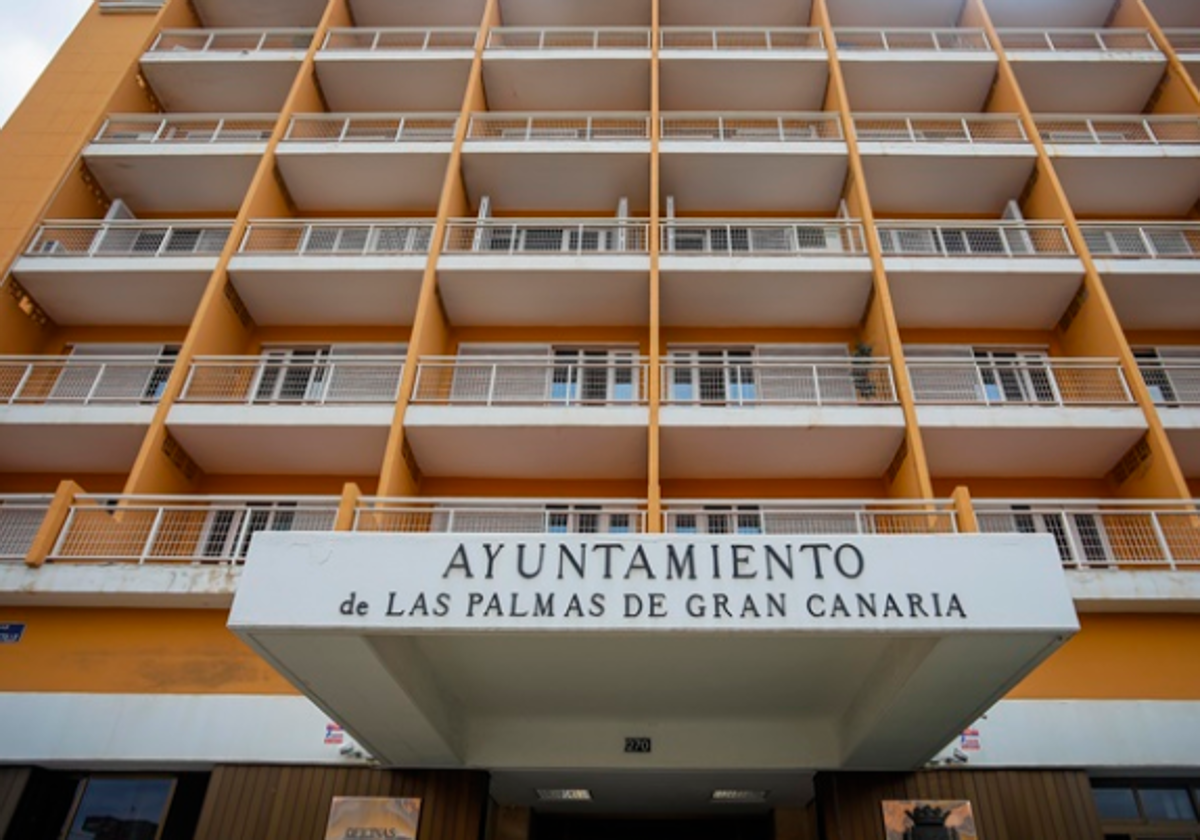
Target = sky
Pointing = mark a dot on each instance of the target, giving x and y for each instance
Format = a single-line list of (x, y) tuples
[(31, 31)]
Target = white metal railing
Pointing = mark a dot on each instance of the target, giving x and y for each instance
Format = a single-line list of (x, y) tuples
[(82, 380), (501, 516), (405, 39), (1023, 381), (741, 38), (761, 237), (547, 236), (603, 380), (293, 380), (20, 519), (192, 129), (231, 40), (568, 38), (723, 381), (906, 40), (182, 529), (939, 128), (558, 127), (752, 128), (337, 238), (1102, 534), (1143, 240), (371, 128), (808, 516), (130, 6), (129, 239), (1172, 383), (1184, 41), (974, 239), (1152, 129), (1077, 40)]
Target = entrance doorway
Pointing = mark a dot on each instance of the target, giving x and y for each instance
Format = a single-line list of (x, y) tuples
[(716, 827)]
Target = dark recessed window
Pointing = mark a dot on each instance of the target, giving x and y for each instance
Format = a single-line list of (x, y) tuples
[(120, 809), (1167, 804), (1116, 803)]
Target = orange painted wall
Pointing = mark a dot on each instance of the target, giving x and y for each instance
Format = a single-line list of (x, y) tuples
[(132, 651)]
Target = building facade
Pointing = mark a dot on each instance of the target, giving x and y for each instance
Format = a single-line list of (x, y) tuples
[(657, 417)]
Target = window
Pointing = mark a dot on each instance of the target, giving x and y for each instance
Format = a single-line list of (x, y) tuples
[(1151, 810), (116, 808), (719, 519), (586, 519), (1080, 537), (228, 532)]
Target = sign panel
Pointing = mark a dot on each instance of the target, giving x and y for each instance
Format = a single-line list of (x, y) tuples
[(11, 634), (373, 818), (596, 582), (929, 820)]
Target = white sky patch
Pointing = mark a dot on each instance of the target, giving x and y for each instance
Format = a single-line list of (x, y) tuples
[(31, 31)]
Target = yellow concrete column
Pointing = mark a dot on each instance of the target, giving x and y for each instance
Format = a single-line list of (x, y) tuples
[(52, 525), (347, 507)]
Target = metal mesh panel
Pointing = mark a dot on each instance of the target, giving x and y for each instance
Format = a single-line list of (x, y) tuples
[(809, 519), (153, 130), (741, 38), (303, 380), (549, 236), (516, 380), (558, 127), (401, 39), (383, 128), (231, 40), (562, 38), (751, 128), (1032, 382), (967, 128), (477, 517), (20, 519), (1075, 40), (991, 239), (761, 238), (1149, 130), (82, 380), (331, 238), (851, 39)]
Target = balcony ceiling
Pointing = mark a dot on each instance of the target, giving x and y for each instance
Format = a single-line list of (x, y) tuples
[(72, 439), (325, 291), (742, 13), (369, 13), (260, 13), (574, 13), (917, 178), (378, 177), (1032, 14), (766, 82), (1183, 428), (931, 82), (394, 81), (252, 83), (717, 178), (178, 179), (1128, 182), (1153, 294), (1103, 86), (529, 81), (883, 13), (549, 177), (1171, 14)]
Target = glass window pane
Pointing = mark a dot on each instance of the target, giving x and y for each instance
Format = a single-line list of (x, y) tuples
[(121, 809), (1115, 803), (1167, 804)]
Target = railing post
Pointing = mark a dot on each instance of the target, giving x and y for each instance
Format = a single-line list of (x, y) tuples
[(964, 511), (493, 375), (162, 126), (25, 376), (816, 369), (1150, 133), (148, 545), (1162, 538), (217, 131), (87, 400)]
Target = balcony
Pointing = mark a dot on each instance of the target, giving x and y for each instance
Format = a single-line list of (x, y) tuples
[(576, 163), (396, 69), (500, 516), (127, 273), (1149, 271), (1085, 70), (1186, 44), (747, 13), (20, 519), (531, 272), (378, 13), (366, 162), (743, 68), (777, 416), (261, 13), (1175, 387), (1105, 534), (1015, 275), (917, 163), (76, 414), (746, 162), (180, 530), (276, 415), (916, 69), (195, 163), (1126, 166), (1017, 415), (567, 68), (763, 272), (858, 13), (511, 416), (213, 70), (332, 272), (814, 517)]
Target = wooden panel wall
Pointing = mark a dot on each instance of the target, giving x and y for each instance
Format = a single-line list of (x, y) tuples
[(292, 803), (12, 785), (1008, 804)]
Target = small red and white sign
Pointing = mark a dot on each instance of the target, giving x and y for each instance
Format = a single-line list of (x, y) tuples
[(334, 734)]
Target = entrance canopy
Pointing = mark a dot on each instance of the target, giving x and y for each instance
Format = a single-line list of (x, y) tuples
[(653, 652)]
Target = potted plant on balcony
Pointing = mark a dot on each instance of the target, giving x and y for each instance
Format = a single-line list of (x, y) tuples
[(864, 385)]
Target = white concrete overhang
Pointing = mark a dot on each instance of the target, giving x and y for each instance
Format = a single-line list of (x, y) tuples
[(918, 81), (394, 80), (1183, 428), (555, 13), (261, 14), (1191, 63), (929, 177), (1083, 82), (764, 291), (386, 13), (72, 438), (983, 292), (109, 291), (283, 440), (529, 442), (329, 290), (538, 289), (1022, 441), (119, 585), (563, 176), (1160, 294), (730, 80), (223, 81), (378, 177), (1064, 14), (567, 80), (744, 13), (770, 442), (720, 177), (722, 663), (1134, 590), (180, 178), (1128, 181)]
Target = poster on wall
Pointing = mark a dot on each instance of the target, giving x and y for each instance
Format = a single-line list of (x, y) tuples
[(378, 818), (927, 819)]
